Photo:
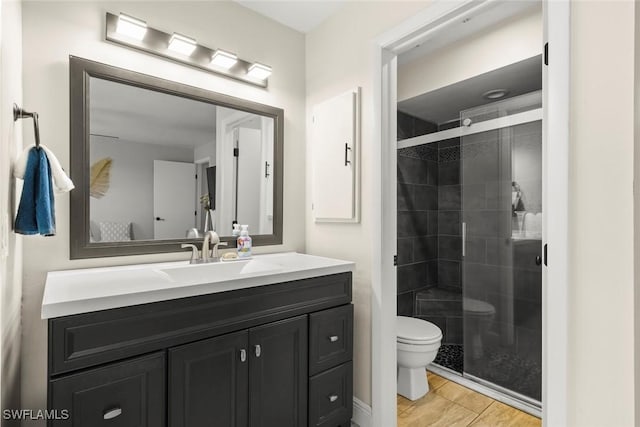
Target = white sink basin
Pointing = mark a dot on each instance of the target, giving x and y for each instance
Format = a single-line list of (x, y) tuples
[(218, 271), (82, 291)]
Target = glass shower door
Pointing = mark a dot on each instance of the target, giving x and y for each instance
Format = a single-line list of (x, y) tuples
[(501, 211)]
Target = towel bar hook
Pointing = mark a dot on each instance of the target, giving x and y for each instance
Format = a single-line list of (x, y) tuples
[(19, 113)]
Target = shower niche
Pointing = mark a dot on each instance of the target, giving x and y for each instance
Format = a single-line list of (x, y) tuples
[(470, 230)]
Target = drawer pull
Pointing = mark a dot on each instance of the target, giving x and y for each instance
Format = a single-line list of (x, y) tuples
[(112, 413), (333, 338), (333, 398), (258, 350), (243, 355)]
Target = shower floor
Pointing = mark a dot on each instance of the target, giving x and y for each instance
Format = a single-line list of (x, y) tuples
[(499, 366), (451, 356)]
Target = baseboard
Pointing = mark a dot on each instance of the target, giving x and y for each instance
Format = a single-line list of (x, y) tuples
[(361, 413)]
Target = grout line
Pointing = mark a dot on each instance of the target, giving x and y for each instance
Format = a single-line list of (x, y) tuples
[(480, 414)]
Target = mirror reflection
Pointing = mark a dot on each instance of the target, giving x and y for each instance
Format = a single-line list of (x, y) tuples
[(164, 166)]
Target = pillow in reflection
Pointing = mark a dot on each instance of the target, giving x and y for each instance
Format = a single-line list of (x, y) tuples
[(115, 231)]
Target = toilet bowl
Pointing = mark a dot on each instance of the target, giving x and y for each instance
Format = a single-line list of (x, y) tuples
[(418, 342), (478, 316)]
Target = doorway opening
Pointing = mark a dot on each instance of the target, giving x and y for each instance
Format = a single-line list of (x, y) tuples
[(470, 226), (443, 18)]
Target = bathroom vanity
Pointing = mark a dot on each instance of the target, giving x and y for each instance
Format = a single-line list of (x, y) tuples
[(264, 342)]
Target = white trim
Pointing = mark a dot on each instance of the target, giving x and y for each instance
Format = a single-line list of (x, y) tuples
[(361, 413), (555, 277), (485, 126), (383, 280), (555, 173)]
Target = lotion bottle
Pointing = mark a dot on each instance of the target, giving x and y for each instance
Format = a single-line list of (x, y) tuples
[(244, 243)]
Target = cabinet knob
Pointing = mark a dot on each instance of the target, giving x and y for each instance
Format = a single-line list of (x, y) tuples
[(258, 350), (333, 338), (333, 398), (112, 413), (243, 355)]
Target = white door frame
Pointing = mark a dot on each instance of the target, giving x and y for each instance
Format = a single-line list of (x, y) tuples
[(556, 17)]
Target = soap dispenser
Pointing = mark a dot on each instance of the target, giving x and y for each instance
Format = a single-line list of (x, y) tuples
[(244, 243)]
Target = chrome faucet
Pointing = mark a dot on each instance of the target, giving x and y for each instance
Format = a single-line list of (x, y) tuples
[(211, 237), (194, 252)]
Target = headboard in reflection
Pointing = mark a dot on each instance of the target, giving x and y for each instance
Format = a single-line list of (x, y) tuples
[(159, 163)]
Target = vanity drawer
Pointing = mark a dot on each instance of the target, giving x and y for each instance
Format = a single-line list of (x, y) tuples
[(331, 397), (330, 338), (126, 394)]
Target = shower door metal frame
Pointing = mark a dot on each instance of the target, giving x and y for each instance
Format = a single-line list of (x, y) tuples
[(479, 127)]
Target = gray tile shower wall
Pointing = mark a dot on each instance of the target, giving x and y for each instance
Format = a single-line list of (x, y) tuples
[(449, 222), (417, 214), (410, 126)]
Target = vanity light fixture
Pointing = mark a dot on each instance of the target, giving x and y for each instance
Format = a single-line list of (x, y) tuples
[(135, 34), (131, 27), (224, 59), (259, 71), (182, 44)]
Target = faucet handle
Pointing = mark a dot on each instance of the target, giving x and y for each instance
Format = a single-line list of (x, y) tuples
[(215, 248), (194, 252)]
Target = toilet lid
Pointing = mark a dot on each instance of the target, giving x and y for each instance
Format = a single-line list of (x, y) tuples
[(417, 331), (471, 305)]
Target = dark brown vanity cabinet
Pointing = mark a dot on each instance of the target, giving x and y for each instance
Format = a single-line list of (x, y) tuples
[(270, 356), (255, 377)]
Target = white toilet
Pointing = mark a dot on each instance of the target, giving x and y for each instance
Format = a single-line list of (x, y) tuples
[(418, 343)]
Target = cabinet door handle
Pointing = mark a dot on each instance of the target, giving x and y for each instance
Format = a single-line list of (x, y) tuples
[(333, 338), (258, 350), (333, 398), (112, 413), (346, 154), (243, 355)]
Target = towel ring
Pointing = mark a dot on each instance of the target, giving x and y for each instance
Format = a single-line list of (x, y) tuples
[(19, 113)]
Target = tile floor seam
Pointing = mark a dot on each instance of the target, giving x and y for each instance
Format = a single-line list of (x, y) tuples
[(477, 416)]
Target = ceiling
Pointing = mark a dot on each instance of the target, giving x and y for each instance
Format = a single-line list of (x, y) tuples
[(140, 115), (472, 22), (301, 15), (445, 103)]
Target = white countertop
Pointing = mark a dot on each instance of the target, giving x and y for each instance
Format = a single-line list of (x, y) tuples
[(81, 291)]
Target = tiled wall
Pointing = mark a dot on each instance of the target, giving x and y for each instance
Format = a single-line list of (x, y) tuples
[(417, 214)]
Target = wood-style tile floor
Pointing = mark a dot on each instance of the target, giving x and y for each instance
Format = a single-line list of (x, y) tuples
[(450, 405)]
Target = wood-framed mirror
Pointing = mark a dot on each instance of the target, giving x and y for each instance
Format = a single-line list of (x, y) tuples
[(157, 163)]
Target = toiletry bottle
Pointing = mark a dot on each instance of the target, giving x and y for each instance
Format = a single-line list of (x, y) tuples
[(236, 229), (244, 243)]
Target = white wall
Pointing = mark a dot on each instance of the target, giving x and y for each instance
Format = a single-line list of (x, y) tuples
[(11, 257), (54, 30), (206, 151), (130, 194), (513, 40), (601, 294), (339, 58)]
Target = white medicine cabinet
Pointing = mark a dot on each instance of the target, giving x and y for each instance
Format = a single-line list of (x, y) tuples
[(335, 144)]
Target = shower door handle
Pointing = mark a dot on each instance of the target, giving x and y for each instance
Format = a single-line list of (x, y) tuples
[(464, 239)]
